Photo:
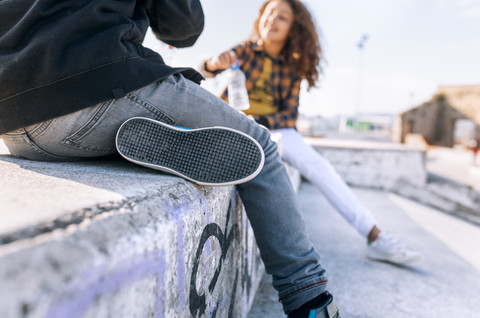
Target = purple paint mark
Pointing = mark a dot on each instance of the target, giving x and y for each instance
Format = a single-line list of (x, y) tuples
[(180, 264), (177, 209), (206, 251), (161, 268), (207, 247), (178, 212), (205, 208), (99, 282), (224, 301)]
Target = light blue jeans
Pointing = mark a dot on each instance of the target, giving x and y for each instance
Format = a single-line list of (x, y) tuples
[(269, 199), (322, 174)]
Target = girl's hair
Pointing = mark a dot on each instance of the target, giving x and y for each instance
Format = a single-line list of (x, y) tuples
[(302, 49)]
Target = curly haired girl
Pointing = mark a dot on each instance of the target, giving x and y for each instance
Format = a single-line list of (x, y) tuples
[(284, 49)]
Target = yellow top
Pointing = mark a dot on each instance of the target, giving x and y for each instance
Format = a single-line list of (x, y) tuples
[(260, 96)]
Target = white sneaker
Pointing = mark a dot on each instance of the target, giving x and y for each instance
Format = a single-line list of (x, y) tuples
[(388, 248)]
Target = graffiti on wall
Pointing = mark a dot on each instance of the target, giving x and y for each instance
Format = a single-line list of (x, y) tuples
[(203, 301), (198, 303)]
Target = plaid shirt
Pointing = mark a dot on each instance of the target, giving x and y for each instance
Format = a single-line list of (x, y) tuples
[(285, 85)]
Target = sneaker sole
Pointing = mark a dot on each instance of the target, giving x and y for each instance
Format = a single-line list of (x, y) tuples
[(214, 156), (393, 260)]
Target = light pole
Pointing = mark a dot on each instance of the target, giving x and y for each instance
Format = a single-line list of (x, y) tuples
[(360, 46)]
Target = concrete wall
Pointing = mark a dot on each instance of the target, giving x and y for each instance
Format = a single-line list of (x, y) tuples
[(378, 165), (106, 238)]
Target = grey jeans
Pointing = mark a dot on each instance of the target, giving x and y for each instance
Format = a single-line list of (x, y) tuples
[(269, 199)]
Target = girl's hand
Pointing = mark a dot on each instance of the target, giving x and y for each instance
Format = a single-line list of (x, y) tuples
[(221, 61)]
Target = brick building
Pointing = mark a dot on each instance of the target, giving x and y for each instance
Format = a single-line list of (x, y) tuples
[(437, 119)]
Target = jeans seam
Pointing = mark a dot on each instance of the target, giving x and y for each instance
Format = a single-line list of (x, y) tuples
[(28, 139), (39, 129), (303, 289), (14, 138), (19, 135), (71, 140), (161, 116)]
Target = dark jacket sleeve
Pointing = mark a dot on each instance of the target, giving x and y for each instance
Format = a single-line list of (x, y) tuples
[(176, 22)]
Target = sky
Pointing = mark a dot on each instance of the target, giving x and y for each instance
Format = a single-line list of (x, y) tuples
[(411, 47)]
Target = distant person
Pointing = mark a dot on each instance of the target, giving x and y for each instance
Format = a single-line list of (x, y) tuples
[(474, 146), (284, 50), (74, 73)]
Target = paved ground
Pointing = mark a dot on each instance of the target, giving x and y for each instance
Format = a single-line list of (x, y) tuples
[(455, 164), (446, 283)]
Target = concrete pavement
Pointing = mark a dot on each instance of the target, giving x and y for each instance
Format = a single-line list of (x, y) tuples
[(445, 283), (455, 164)]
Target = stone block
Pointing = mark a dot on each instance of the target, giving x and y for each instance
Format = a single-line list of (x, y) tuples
[(106, 238), (376, 165)]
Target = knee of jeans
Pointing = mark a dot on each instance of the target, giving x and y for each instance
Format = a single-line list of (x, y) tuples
[(265, 139)]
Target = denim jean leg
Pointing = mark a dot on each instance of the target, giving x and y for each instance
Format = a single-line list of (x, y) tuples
[(270, 201), (272, 208)]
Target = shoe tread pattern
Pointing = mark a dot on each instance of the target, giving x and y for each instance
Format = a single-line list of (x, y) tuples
[(213, 155)]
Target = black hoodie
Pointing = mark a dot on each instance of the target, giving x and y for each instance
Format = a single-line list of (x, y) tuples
[(60, 56)]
